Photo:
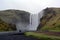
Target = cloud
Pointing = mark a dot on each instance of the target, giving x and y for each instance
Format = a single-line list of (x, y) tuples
[(33, 6)]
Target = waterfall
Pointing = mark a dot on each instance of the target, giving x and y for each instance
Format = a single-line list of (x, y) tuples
[(33, 25), (24, 21)]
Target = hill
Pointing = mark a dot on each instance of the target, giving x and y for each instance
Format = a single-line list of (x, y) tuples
[(50, 20), (8, 19)]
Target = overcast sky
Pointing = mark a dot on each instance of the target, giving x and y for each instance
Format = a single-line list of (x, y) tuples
[(32, 6)]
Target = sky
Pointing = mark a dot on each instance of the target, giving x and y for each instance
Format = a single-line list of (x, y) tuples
[(32, 6)]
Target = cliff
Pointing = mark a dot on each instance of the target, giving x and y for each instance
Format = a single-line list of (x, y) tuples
[(9, 18), (50, 20)]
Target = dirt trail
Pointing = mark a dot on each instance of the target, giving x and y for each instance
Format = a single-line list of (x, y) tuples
[(51, 33)]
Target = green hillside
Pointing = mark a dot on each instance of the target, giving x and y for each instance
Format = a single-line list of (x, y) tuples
[(50, 20), (8, 19)]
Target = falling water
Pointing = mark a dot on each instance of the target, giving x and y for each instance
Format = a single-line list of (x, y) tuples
[(25, 22)]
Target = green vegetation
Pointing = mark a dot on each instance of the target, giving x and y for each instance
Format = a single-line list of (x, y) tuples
[(50, 20), (8, 19), (6, 26), (42, 36)]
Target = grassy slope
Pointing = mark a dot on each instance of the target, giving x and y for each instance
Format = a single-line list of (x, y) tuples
[(53, 24), (9, 17)]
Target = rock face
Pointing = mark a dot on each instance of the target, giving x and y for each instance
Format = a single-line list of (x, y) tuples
[(12, 16), (50, 19)]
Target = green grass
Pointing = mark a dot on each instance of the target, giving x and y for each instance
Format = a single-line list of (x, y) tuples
[(54, 30), (42, 36)]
